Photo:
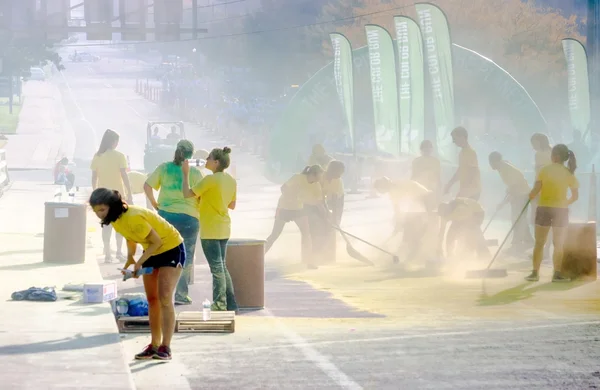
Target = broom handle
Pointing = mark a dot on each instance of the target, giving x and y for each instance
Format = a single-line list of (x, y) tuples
[(508, 235), (494, 216)]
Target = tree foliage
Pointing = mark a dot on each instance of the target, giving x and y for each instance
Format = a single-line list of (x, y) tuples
[(20, 54)]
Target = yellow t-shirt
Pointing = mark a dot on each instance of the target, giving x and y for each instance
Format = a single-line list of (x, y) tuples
[(216, 192), (426, 170), (513, 178), (469, 176), (313, 196), (108, 167), (294, 196), (136, 223), (556, 180), (168, 178), (464, 209), (542, 159), (333, 187)]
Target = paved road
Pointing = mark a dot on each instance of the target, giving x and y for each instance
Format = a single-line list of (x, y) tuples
[(347, 326)]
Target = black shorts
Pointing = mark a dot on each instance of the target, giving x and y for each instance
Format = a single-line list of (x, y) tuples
[(289, 215), (552, 216), (172, 258)]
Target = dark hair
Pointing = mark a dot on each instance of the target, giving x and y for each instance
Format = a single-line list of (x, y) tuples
[(222, 156), (111, 198), (460, 132), (495, 156), (312, 170), (336, 169), (184, 150), (565, 155), (426, 144), (541, 139), (109, 138)]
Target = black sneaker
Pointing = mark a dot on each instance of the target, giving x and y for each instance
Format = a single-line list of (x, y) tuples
[(148, 353), (558, 278), (534, 277), (163, 353)]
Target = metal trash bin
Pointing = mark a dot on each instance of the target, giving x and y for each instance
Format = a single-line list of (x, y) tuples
[(65, 232), (246, 264)]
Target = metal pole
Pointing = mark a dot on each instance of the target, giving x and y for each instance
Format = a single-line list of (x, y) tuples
[(195, 18)]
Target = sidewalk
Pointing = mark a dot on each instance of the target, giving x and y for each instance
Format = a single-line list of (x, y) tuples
[(44, 134), (49, 345)]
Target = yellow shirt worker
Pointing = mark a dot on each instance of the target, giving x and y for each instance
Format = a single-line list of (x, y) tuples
[(426, 169), (107, 167), (517, 190), (553, 184), (467, 174)]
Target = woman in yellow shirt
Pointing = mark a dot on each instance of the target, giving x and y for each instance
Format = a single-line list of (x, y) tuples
[(294, 194), (218, 194), (109, 170), (180, 212), (552, 184), (164, 251)]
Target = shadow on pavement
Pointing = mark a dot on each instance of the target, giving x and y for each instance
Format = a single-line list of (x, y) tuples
[(521, 292), (402, 273), (23, 252), (31, 266), (283, 297), (76, 342)]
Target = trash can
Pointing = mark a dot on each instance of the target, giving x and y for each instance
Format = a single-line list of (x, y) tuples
[(246, 265), (580, 253), (64, 232)]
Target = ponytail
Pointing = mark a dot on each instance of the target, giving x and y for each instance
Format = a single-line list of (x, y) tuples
[(312, 170), (572, 162)]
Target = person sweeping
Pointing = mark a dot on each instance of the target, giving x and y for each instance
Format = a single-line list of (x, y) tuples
[(426, 169), (552, 184), (465, 216), (517, 194), (164, 251), (467, 174), (333, 195), (290, 207)]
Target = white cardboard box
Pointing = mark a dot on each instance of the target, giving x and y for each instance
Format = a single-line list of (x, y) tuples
[(100, 292)]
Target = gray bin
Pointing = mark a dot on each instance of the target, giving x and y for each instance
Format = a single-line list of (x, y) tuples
[(246, 265), (65, 232)]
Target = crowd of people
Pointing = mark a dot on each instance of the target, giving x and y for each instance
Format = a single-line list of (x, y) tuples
[(191, 204)]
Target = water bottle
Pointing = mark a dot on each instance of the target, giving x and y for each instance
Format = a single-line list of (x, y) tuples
[(122, 307), (72, 196), (206, 310)]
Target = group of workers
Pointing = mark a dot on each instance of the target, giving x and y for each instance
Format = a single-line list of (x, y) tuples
[(314, 201), (189, 204)]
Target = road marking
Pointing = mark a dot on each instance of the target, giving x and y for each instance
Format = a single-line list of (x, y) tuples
[(107, 85), (332, 371), (83, 118), (134, 111)]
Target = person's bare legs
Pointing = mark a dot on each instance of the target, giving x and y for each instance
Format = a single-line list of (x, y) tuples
[(306, 241), (278, 226), (154, 312), (119, 239), (106, 233), (541, 235), (167, 281), (559, 235)]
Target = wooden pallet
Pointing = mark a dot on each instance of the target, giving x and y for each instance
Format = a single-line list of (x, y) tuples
[(191, 322), (128, 324), (187, 322)]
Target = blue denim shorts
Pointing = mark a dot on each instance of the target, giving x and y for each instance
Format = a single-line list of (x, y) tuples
[(172, 258)]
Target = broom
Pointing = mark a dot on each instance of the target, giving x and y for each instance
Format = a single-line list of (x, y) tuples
[(496, 273)]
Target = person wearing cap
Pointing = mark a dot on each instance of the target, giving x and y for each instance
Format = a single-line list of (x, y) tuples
[(517, 194), (467, 175), (180, 212)]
